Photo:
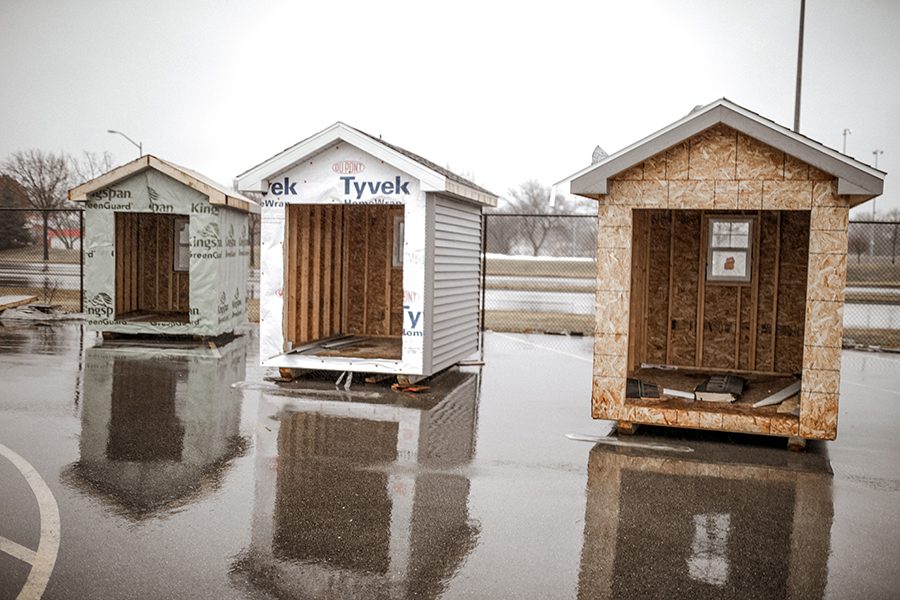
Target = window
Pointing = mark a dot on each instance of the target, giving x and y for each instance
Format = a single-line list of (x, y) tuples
[(182, 244), (397, 254), (729, 255)]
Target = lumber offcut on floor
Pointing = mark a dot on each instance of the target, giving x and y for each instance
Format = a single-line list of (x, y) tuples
[(759, 386), (388, 348)]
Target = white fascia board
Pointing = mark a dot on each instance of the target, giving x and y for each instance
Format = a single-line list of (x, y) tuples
[(592, 180), (257, 178)]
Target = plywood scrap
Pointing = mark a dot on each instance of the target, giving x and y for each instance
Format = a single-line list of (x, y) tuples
[(721, 388), (779, 396)]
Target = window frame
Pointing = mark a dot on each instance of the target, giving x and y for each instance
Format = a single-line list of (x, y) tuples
[(747, 251), (178, 246)]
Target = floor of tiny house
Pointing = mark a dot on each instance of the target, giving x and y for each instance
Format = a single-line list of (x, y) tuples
[(357, 346), (759, 386)]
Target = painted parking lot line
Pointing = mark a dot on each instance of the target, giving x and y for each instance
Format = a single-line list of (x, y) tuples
[(43, 559)]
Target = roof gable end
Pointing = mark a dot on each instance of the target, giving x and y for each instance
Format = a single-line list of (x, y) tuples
[(855, 179)]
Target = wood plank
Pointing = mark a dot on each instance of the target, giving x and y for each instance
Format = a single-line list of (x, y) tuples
[(327, 292), (775, 293), (645, 320), (345, 272), (134, 267), (701, 287), (289, 291), (737, 329), (671, 285), (119, 262), (365, 298), (754, 290), (316, 272), (388, 268), (303, 259), (337, 273)]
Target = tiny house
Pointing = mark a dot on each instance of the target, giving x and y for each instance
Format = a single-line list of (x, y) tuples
[(371, 257), (722, 246), (167, 251)]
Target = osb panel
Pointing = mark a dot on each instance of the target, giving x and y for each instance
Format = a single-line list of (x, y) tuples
[(822, 358), (719, 326), (744, 361), (613, 266), (828, 242), (356, 269), (611, 215), (818, 415), (396, 303), (792, 291), (824, 193), (149, 249), (766, 269), (824, 323), (785, 425), (613, 237), (685, 280), (787, 195), (826, 382), (750, 195), (611, 343), (726, 194), (746, 423), (817, 175), (653, 416), (611, 313), (677, 161), (827, 274), (713, 154), (756, 160), (658, 286), (608, 392), (606, 365), (655, 167), (794, 168), (692, 194), (829, 218), (377, 267), (635, 173)]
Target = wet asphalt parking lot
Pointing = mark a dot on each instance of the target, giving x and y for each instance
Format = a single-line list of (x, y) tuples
[(179, 472)]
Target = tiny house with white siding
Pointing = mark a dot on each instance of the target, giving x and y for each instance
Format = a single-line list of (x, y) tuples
[(371, 257)]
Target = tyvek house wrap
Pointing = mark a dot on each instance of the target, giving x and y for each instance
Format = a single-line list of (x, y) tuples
[(325, 180), (219, 256)]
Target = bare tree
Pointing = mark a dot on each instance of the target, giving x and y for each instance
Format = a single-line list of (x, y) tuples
[(532, 198), (857, 243), (46, 177)]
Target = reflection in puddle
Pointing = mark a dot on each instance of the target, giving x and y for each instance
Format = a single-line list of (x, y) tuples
[(755, 522), (360, 498), (159, 425)]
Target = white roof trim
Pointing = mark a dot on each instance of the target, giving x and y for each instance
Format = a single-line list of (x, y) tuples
[(257, 178), (854, 177)]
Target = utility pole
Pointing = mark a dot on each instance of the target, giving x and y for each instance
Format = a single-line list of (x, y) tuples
[(799, 67)]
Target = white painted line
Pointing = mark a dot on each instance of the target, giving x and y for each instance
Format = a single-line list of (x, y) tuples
[(16, 550), (870, 387), (542, 347), (611, 441), (48, 545)]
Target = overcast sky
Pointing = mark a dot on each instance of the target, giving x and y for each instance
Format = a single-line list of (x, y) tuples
[(502, 92)]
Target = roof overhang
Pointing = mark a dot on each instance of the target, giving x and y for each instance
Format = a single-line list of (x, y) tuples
[(217, 194), (257, 178), (855, 179)]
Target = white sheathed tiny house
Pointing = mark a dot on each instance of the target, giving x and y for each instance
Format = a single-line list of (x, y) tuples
[(167, 251), (371, 257)]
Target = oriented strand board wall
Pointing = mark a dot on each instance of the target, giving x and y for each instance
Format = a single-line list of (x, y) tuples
[(722, 169), (737, 319)]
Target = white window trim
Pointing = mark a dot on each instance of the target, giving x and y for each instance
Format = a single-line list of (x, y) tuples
[(748, 251)]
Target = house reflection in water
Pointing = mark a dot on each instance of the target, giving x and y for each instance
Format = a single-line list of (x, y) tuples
[(363, 494), (727, 521), (159, 425)]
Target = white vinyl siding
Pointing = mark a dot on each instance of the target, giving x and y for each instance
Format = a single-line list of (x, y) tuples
[(456, 281)]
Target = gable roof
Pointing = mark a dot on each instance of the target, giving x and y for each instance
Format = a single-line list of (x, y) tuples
[(432, 177), (855, 179), (216, 192)]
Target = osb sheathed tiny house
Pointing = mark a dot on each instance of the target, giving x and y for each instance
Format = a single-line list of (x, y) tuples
[(722, 249), (371, 257), (167, 251)]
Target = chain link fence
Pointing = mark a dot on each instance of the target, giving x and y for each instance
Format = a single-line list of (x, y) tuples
[(872, 297), (40, 255)]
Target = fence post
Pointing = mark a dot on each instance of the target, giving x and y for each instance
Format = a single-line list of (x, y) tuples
[(81, 261)]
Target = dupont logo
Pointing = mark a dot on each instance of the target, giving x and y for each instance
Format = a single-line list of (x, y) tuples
[(348, 167)]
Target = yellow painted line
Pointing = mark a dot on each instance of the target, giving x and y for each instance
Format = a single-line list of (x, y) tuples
[(48, 546), (542, 347)]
